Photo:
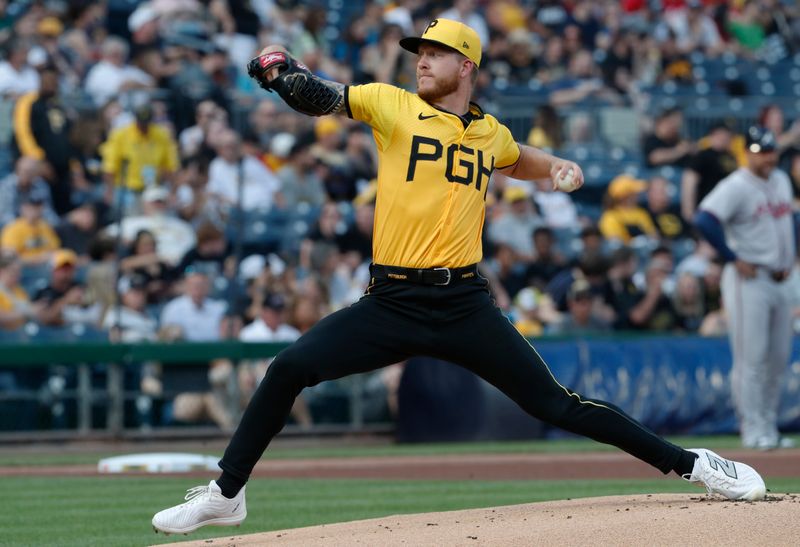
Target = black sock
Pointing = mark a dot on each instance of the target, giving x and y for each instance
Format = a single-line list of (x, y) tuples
[(229, 484), (685, 463)]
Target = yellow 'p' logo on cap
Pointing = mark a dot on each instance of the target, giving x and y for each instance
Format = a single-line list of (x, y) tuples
[(453, 34)]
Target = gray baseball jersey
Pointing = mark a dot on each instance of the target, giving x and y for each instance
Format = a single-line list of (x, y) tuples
[(757, 217)]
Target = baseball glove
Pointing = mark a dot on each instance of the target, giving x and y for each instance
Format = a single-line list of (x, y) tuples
[(296, 85)]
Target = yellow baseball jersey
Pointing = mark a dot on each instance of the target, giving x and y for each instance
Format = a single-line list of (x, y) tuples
[(433, 173), (29, 240), (146, 157)]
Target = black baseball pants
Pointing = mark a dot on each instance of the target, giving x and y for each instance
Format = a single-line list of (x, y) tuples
[(459, 323)]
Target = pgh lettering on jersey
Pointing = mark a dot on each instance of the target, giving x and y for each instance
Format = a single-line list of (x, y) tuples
[(433, 174)]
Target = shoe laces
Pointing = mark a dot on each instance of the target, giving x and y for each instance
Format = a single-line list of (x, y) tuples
[(711, 481), (193, 494)]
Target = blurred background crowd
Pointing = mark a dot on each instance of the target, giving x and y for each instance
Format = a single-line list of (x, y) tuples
[(151, 191)]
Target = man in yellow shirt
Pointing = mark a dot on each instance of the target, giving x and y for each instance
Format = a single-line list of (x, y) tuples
[(625, 219), (15, 305), (30, 237), (437, 151), (138, 156)]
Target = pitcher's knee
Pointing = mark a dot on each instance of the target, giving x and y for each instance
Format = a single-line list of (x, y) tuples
[(290, 366)]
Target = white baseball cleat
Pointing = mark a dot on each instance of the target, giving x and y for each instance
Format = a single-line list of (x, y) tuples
[(734, 480), (205, 506)]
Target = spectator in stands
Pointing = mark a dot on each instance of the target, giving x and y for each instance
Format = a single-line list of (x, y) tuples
[(788, 141), (624, 294), (653, 309), (698, 261), (299, 177), (42, 130), (516, 223), (64, 300), (232, 170), (533, 312), (193, 140), (174, 237), (617, 67), (356, 243), (519, 59), (382, 61), (581, 318), (191, 193), (77, 229), (16, 186), (581, 82), (557, 208), (591, 239), (212, 254), (666, 145), (130, 322), (195, 317), (594, 268), (270, 326), (689, 303), (262, 126), (143, 261), (303, 314), (201, 76), (712, 289), (30, 236), (746, 27), (138, 156), (15, 305), (336, 170), (508, 270), (625, 219), (695, 31), (466, 11), (17, 77), (548, 262), (665, 216), (359, 147), (329, 228), (112, 76), (706, 168), (546, 130)]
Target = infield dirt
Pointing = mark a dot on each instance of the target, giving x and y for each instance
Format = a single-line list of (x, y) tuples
[(658, 519)]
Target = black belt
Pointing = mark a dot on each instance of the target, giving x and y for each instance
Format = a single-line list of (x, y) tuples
[(779, 275), (429, 276)]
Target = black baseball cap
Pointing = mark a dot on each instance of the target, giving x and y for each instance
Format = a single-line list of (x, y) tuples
[(35, 196), (760, 139), (274, 301)]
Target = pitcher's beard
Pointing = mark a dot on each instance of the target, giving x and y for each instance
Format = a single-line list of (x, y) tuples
[(441, 88)]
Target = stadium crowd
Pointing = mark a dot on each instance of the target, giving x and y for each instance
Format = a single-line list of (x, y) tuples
[(149, 190)]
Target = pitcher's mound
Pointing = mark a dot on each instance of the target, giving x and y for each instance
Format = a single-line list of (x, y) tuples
[(657, 519)]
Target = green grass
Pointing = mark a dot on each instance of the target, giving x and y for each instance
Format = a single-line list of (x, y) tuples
[(110, 511), (46, 455)]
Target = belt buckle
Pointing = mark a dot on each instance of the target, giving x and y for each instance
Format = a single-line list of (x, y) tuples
[(449, 275)]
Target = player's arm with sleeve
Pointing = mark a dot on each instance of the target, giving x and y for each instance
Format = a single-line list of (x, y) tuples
[(533, 164), (716, 209)]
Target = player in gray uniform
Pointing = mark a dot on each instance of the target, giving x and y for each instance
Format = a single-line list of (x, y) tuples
[(747, 217)]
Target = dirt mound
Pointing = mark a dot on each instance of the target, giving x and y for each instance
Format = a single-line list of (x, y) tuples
[(658, 519)]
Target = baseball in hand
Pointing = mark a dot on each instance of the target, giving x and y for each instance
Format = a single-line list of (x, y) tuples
[(566, 183)]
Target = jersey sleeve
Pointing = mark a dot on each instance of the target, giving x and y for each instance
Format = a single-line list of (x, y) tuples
[(508, 149), (723, 201), (377, 105)]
